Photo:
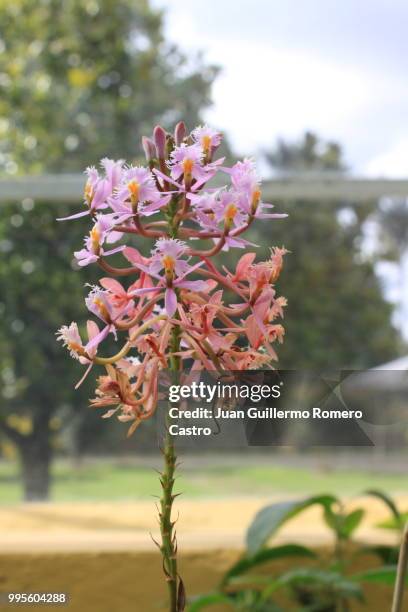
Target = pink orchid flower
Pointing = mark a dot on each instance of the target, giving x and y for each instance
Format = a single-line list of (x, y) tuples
[(246, 184), (242, 267), (100, 232), (166, 256), (99, 302), (229, 210), (97, 188), (70, 337), (119, 296), (137, 191), (188, 161), (243, 175), (208, 138)]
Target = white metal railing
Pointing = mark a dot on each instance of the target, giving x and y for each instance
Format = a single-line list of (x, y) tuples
[(69, 188)]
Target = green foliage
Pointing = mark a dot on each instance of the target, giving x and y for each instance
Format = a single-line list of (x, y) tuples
[(248, 600), (395, 524), (271, 518), (306, 155), (398, 519), (378, 575), (204, 601), (392, 220), (310, 590), (320, 590), (325, 586), (248, 562), (38, 296), (387, 554), (343, 524), (336, 314), (87, 79)]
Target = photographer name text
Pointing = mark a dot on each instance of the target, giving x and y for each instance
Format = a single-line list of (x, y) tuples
[(249, 413)]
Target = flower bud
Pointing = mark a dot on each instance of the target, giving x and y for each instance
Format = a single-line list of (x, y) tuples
[(179, 132), (149, 148), (159, 136)]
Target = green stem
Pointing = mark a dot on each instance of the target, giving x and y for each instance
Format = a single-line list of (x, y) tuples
[(169, 544), (168, 537), (128, 345)]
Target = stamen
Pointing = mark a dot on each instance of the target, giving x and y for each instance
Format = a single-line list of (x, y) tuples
[(188, 166), (230, 212), (95, 235), (95, 239), (256, 197), (102, 308), (75, 347), (134, 189), (168, 263), (206, 143), (88, 192)]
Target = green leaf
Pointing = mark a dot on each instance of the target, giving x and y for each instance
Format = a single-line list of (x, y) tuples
[(331, 519), (203, 601), (381, 575), (264, 555), (314, 579), (248, 581), (343, 524), (388, 554), (269, 519), (393, 523), (389, 502), (351, 522)]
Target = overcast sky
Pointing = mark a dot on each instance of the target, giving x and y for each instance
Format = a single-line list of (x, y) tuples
[(336, 67)]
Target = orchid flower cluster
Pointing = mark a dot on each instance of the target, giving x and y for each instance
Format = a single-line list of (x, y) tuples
[(178, 310)]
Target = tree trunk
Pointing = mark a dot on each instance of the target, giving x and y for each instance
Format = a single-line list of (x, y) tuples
[(35, 463)]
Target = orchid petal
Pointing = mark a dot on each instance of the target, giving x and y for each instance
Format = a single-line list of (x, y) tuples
[(191, 269), (165, 177), (96, 340), (195, 285), (115, 250), (92, 329), (112, 285), (262, 215), (170, 301), (143, 290), (75, 216), (148, 271), (132, 255)]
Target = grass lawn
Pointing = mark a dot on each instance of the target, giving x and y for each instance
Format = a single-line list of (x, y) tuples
[(113, 480)]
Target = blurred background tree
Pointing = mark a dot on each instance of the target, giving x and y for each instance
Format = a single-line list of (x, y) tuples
[(392, 222), (337, 315), (84, 79), (308, 155), (79, 80), (38, 293)]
